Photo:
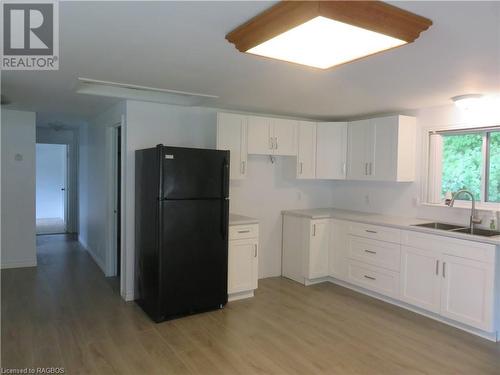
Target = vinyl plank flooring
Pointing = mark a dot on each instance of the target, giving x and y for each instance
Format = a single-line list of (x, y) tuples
[(65, 313)]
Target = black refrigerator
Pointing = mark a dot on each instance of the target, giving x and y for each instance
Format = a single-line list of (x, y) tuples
[(181, 230)]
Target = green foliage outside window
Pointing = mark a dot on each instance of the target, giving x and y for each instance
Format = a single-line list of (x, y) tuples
[(494, 167), (462, 164)]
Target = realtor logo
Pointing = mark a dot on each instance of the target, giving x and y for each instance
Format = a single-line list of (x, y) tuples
[(30, 35)]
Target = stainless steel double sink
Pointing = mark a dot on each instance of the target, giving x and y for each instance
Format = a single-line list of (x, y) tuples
[(459, 229)]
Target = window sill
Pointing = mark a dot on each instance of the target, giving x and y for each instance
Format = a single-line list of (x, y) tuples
[(467, 205)]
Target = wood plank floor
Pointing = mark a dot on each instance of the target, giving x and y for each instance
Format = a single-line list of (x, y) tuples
[(64, 313)]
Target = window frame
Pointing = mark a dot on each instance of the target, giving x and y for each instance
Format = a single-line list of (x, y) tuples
[(431, 184)]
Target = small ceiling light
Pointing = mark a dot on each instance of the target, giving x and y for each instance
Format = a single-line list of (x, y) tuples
[(468, 102), (323, 34)]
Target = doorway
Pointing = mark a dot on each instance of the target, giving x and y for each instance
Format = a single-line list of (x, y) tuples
[(51, 188), (118, 197)]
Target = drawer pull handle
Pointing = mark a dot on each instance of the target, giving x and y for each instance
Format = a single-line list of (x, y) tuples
[(244, 231), (371, 231), (370, 278), (370, 252)]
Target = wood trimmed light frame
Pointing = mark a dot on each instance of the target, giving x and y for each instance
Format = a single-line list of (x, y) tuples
[(392, 26)]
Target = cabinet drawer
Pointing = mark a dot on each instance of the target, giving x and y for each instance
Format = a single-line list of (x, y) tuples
[(377, 253), (374, 278), (238, 232), (375, 232)]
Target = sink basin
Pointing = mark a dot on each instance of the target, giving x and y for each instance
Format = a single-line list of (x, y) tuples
[(441, 226), (479, 232), (459, 229)]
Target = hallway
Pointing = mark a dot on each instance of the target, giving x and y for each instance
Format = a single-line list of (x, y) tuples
[(64, 313)]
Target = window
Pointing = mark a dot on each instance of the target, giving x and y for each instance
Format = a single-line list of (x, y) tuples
[(465, 160)]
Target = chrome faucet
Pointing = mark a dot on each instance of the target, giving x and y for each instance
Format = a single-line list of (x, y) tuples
[(473, 218)]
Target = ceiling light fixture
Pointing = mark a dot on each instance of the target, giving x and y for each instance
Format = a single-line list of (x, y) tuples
[(323, 34), (468, 101)]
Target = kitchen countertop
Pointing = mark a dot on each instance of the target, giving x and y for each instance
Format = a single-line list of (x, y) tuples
[(386, 220), (235, 219)]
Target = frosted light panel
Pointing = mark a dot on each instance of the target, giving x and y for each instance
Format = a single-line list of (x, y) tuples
[(323, 43)]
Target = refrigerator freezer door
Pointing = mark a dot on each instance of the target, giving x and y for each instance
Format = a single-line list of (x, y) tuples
[(190, 173), (193, 254)]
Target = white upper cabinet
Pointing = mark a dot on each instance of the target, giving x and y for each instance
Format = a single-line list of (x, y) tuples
[(331, 150), (232, 136), (306, 153), (271, 136), (259, 136), (382, 149)]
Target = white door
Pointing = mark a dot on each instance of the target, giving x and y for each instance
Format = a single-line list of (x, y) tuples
[(231, 135), (331, 150), (306, 155), (242, 265), (420, 278), (467, 292), (382, 148), (259, 136), (319, 242), (357, 165), (285, 137)]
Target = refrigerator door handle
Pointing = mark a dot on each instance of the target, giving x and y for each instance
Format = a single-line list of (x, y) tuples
[(225, 180), (224, 219)]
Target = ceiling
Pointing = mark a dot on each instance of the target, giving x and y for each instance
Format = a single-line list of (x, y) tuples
[(181, 46)]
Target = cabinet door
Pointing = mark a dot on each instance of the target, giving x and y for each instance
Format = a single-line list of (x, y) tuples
[(306, 155), (231, 135), (382, 152), (259, 136), (339, 249), (319, 242), (285, 137), (467, 292), (331, 150), (420, 278), (357, 164), (242, 265)]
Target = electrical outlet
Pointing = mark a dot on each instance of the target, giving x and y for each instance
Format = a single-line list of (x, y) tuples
[(299, 196), (367, 199)]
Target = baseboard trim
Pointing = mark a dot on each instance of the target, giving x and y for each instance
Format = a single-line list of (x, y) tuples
[(87, 248), (19, 264), (240, 295)]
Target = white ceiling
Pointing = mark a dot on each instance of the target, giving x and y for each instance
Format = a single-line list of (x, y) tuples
[(181, 46)]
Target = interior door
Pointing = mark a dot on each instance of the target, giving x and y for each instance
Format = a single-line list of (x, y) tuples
[(193, 254), (467, 292), (285, 137), (259, 136), (194, 173), (319, 248), (231, 135), (420, 278), (306, 155), (242, 265), (357, 167), (331, 150)]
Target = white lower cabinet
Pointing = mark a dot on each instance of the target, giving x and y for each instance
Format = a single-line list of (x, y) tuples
[(452, 278), (467, 292), (243, 261), (420, 279)]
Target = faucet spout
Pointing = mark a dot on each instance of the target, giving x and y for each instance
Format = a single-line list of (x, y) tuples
[(473, 218)]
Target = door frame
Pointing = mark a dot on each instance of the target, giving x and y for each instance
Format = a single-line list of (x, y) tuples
[(113, 164)]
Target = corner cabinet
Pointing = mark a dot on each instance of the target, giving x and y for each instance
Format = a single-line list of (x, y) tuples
[(243, 261), (331, 150), (306, 152), (232, 136), (382, 149)]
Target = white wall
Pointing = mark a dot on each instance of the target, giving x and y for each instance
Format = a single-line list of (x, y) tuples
[(50, 178), (403, 199), (18, 189), (94, 183)]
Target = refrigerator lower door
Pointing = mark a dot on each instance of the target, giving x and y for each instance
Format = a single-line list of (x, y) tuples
[(193, 255)]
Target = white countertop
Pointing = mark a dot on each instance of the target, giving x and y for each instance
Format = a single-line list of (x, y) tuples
[(385, 220), (235, 219)]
